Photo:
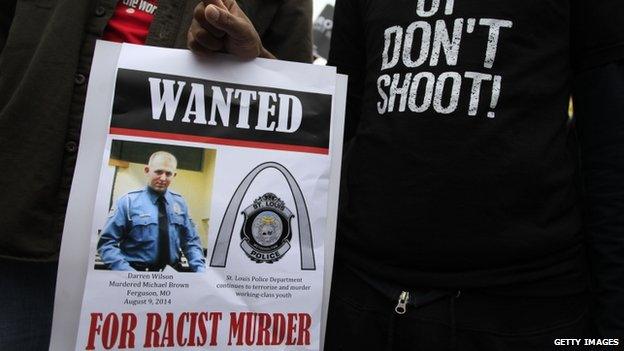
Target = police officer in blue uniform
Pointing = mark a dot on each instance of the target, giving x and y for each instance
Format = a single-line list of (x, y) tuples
[(149, 228)]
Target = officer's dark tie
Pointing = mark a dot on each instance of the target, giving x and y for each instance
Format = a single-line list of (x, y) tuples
[(163, 233)]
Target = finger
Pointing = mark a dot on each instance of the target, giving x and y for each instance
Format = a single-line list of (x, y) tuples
[(200, 16), (218, 3), (202, 39), (192, 44), (195, 47), (234, 26), (229, 4)]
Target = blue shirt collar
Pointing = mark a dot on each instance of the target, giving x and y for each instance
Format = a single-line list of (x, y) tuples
[(153, 195)]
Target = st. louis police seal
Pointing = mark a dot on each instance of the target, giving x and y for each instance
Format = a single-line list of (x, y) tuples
[(266, 231)]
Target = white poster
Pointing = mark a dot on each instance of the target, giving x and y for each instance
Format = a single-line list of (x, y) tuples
[(203, 211)]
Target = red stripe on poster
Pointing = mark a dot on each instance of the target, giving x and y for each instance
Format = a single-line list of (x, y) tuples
[(219, 141)]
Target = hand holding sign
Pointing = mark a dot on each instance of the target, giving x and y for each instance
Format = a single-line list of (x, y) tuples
[(220, 25)]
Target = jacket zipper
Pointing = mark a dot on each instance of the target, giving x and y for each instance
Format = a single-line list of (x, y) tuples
[(401, 306)]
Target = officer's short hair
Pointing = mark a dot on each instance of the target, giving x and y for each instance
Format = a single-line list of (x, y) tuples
[(163, 154)]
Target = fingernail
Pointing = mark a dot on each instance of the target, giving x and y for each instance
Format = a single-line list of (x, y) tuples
[(212, 12)]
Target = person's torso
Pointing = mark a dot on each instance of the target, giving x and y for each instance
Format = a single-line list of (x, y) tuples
[(142, 239), (462, 171)]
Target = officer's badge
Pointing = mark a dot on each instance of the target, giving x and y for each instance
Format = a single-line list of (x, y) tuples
[(266, 231), (176, 208)]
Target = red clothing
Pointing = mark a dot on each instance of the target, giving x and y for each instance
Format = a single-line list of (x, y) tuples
[(131, 21)]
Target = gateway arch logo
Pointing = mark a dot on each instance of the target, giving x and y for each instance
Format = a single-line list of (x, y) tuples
[(266, 231)]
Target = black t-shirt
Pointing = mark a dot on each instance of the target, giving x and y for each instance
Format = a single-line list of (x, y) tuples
[(460, 170)]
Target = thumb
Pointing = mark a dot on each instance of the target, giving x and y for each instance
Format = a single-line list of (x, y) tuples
[(222, 19)]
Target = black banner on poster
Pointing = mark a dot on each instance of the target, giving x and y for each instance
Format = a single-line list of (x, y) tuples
[(182, 108)]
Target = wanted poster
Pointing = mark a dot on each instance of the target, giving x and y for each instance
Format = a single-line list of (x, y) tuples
[(203, 210)]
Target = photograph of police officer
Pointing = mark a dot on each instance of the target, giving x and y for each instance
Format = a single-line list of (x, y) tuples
[(149, 229)]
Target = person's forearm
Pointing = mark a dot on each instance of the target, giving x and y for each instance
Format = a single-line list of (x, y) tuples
[(599, 108), (194, 253), (113, 258)]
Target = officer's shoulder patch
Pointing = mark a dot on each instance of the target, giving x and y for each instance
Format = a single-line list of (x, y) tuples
[(112, 212), (174, 193), (138, 191)]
